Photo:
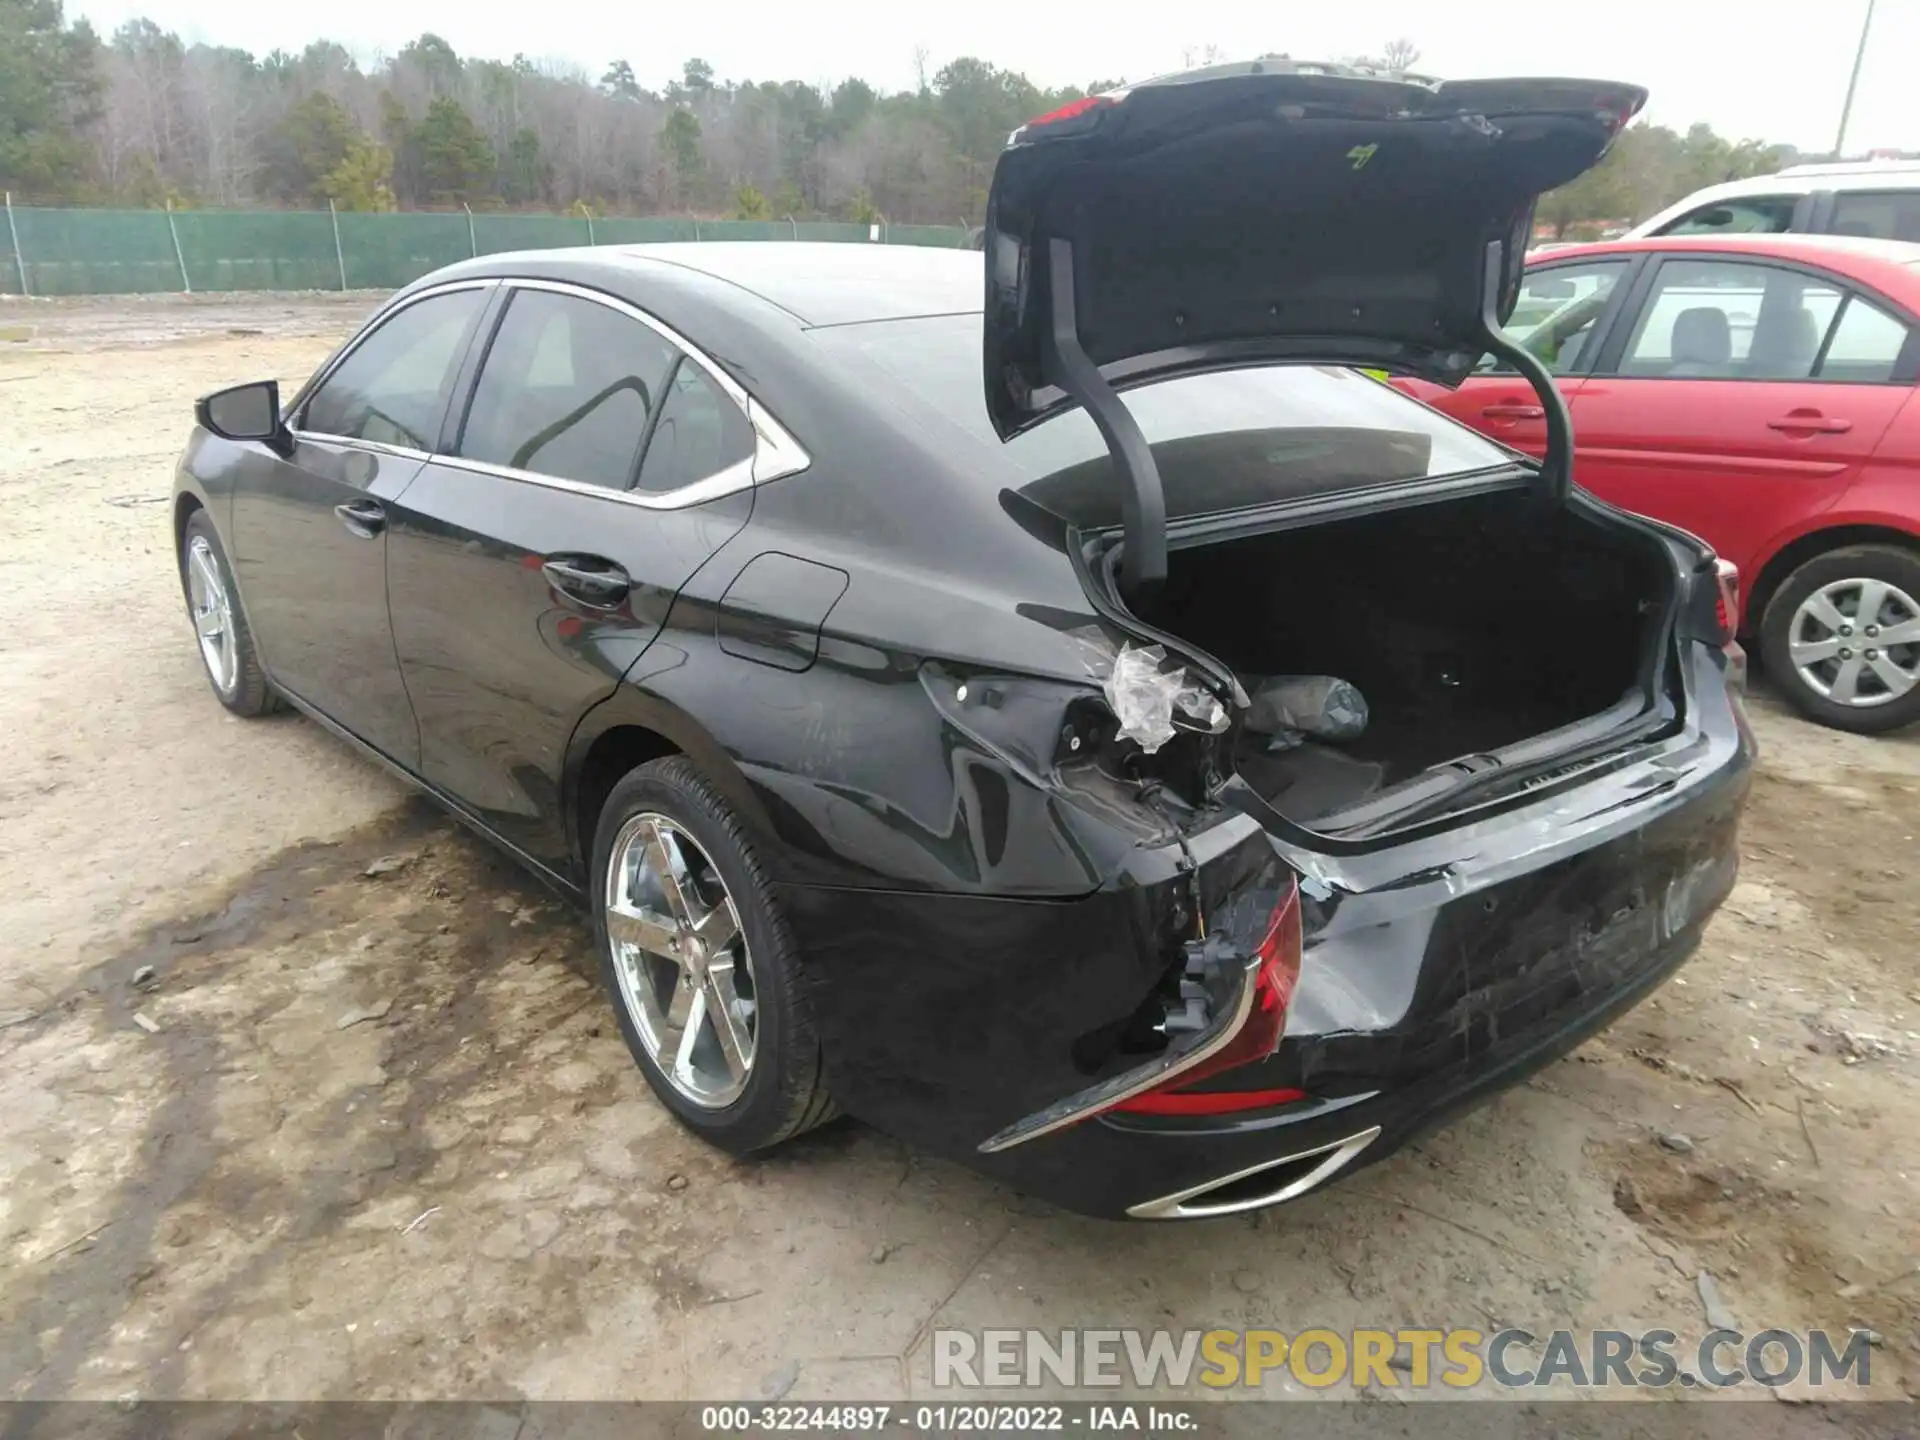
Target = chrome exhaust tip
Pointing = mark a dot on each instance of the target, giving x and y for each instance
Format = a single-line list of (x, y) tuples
[(1299, 1173)]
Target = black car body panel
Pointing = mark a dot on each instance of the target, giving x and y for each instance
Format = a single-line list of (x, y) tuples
[(316, 591), (852, 770), (1431, 972), (497, 699), (880, 661), (1253, 213)]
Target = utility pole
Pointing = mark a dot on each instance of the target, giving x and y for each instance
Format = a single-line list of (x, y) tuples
[(339, 255), (178, 254), (1853, 80), (19, 260)]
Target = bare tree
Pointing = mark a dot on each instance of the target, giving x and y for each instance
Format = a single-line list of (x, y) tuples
[(146, 82), (1399, 56), (218, 92)]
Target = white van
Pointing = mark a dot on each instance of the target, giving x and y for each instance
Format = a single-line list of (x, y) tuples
[(1876, 198)]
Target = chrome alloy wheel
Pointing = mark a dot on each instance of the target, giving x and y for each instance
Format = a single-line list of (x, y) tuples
[(684, 971), (212, 615), (1857, 642)]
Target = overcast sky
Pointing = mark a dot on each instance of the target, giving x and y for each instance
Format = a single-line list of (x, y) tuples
[(1774, 69)]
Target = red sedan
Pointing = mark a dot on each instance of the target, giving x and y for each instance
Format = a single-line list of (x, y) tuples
[(1759, 391)]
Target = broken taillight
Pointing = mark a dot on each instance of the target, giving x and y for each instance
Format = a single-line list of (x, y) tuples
[(1076, 117), (1207, 1102), (1069, 110), (1277, 972)]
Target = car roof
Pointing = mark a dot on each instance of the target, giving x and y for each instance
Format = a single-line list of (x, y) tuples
[(1796, 180), (831, 283), (1804, 180), (1891, 265), (1852, 170)]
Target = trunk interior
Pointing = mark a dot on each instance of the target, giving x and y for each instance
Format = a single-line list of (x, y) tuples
[(1467, 625)]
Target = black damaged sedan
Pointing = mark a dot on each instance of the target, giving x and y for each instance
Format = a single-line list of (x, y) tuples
[(1037, 700)]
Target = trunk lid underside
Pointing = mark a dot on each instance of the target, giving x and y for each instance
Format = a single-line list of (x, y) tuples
[(1267, 213), (1271, 212)]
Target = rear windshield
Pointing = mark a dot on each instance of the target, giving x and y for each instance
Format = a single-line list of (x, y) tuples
[(1223, 441)]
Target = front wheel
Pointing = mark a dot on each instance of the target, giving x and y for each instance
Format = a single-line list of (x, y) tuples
[(700, 963), (1842, 638), (226, 645)]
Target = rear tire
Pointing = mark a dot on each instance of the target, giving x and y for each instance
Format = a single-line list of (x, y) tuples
[(1828, 658), (213, 606), (714, 938)]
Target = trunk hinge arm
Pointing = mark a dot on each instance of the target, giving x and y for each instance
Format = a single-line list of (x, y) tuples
[(1143, 504), (1556, 469)]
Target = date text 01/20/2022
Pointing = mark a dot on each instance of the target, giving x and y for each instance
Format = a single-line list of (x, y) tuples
[(946, 1419)]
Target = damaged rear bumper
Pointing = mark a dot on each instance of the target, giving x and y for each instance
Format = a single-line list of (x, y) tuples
[(1144, 1167), (1435, 972)]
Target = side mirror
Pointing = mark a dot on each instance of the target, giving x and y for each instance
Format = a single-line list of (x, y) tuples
[(247, 412)]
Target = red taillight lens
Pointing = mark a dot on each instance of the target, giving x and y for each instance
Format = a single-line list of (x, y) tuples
[(1726, 600), (1258, 1036), (1207, 1102), (1069, 110)]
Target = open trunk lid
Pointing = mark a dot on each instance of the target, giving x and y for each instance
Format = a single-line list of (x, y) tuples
[(1269, 212)]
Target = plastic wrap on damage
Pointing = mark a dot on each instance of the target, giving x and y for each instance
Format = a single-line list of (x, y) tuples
[(1141, 697), (1288, 707), (1146, 695)]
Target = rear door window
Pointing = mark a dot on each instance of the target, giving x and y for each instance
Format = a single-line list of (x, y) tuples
[(567, 390), (1879, 214), (1865, 346), (1730, 320), (1700, 319), (700, 433), (392, 387), (1753, 215)]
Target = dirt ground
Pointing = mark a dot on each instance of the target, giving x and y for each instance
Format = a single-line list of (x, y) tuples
[(377, 1136)]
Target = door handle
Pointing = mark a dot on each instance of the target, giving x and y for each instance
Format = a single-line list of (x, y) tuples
[(588, 579), (1511, 411), (1809, 422), (363, 517)]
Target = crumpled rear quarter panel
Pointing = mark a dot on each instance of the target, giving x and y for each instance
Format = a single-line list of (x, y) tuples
[(1434, 972)]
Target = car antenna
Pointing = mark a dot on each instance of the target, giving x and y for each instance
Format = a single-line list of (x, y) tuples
[(1556, 468), (1143, 504)]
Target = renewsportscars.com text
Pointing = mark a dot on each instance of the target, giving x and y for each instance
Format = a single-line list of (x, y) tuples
[(1415, 1359)]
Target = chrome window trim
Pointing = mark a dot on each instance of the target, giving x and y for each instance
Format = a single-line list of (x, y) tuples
[(372, 447), (776, 454), (736, 477)]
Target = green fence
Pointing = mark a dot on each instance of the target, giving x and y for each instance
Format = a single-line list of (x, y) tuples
[(123, 252)]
